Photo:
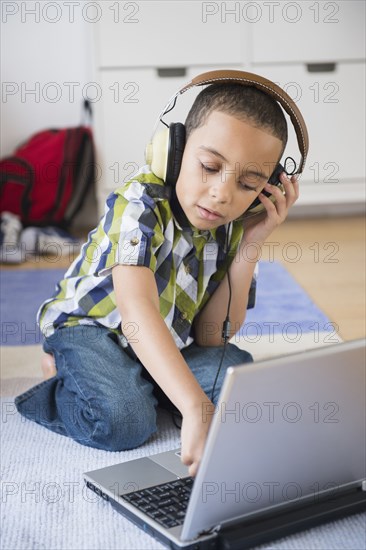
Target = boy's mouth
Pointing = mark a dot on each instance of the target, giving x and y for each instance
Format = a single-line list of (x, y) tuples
[(208, 214)]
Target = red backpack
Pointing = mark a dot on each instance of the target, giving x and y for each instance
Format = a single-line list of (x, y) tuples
[(47, 178)]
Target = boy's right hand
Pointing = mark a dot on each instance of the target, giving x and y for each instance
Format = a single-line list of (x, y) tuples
[(195, 426), (158, 352)]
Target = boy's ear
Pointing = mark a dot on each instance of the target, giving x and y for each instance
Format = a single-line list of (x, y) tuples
[(165, 153)]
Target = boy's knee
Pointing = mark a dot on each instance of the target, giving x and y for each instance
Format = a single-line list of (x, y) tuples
[(122, 426), (238, 355)]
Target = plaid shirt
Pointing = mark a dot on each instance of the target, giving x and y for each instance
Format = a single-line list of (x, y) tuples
[(143, 225)]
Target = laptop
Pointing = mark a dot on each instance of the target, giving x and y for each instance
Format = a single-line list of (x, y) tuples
[(286, 450)]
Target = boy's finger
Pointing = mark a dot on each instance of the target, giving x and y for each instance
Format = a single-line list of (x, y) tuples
[(267, 203), (291, 187), (289, 182), (276, 192), (186, 458), (286, 180), (295, 182)]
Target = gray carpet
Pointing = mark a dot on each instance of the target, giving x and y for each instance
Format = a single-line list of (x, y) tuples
[(45, 504)]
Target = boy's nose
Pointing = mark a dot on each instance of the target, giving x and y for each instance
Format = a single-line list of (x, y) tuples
[(220, 192)]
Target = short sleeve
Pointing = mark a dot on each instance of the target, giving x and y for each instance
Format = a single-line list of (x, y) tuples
[(133, 229)]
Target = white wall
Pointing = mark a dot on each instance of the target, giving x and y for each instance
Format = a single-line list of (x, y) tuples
[(46, 70), (47, 45), (40, 55)]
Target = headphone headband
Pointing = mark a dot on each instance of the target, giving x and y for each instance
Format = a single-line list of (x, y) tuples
[(272, 89)]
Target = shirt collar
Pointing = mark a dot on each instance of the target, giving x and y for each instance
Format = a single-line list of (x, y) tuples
[(217, 234), (158, 190)]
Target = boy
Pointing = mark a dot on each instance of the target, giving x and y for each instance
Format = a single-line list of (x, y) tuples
[(132, 319)]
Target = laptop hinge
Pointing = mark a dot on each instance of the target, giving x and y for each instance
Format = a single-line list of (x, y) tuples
[(212, 531), (255, 532)]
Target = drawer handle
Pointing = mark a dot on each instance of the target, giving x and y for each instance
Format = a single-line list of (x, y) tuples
[(321, 67), (170, 72)]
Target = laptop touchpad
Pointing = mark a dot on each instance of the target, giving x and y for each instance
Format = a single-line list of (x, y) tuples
[(172, 461), (131, 476)]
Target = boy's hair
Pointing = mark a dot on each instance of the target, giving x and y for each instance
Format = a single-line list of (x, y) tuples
[(246, 103)]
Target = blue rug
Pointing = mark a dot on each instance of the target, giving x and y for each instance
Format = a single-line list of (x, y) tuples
[(282, 306), (21, 294)]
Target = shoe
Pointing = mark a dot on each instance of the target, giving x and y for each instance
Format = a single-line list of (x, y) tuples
[(50, 241), (10, 230)]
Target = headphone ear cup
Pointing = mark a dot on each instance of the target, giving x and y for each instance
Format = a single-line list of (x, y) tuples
[(256, 205), (165, 152), (177, 142), (156, 153)]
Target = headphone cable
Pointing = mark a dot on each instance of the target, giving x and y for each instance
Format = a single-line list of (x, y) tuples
[(168, 111), (226, 327)]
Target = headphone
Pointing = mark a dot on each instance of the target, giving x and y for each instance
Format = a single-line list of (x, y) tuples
[(165, 151)]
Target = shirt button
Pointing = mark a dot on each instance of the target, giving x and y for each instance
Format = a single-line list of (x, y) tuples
[(187, 269), (134, 241), (183, 315)]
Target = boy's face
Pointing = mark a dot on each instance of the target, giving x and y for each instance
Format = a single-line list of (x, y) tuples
[(226, 163)]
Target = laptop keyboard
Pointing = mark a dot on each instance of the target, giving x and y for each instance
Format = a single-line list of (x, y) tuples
[(166, 503)]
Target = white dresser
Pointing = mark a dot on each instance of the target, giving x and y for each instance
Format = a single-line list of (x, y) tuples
[(144, 51)]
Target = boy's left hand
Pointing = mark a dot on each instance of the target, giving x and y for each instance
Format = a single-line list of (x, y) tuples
[(275, 213)]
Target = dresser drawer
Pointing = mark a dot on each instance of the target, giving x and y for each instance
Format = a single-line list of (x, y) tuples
[(165, 34), (312, 32), (334, 110)]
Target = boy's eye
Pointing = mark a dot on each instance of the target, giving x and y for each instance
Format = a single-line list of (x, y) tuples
[(209, 169), (244, 186), (214, 169)]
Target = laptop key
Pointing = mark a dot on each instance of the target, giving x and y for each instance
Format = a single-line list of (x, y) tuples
[(155, 493), (151, 500), (170, 523), (166, 502), (166, 494), (171, 510), (148, 508), (181, 505), (148, 493), (177, 494), (131, 497), (136, 502), (179, 482), (161, 517), (161, 489), (170, 486), (156, 514)]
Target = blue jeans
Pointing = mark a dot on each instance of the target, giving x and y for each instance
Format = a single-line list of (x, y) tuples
[(102, 396)]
